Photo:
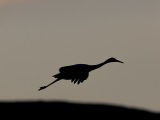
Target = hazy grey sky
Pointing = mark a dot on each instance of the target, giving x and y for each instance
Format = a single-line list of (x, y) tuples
[(37, 37)]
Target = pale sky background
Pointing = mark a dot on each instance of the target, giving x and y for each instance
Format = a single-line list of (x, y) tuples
[(37, 37)]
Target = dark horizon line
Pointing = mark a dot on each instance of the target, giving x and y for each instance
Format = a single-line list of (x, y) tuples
[(76, 104)]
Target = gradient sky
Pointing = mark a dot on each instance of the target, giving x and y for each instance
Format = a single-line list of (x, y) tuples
[(7, 2), (40, 36)]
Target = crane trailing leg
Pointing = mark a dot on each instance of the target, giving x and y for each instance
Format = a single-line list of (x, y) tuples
[(44, 87)]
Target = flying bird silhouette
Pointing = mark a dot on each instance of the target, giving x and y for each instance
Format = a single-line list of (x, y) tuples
[(77, 73)]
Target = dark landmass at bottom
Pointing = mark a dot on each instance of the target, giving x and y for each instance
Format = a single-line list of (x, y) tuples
[(48, 110)]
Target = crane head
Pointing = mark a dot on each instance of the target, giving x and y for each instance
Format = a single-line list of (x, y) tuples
[(112, 59)]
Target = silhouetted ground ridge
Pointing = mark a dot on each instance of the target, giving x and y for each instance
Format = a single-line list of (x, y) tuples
[(41, 109)]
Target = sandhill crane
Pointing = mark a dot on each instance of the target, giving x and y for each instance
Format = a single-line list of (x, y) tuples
[(77, 73)]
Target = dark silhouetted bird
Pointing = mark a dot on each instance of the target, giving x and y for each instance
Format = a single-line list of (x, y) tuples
[(77, 73)]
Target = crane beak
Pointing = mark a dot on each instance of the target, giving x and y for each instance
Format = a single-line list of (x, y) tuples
[(120, 61)]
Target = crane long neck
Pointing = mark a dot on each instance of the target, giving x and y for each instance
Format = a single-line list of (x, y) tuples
[(93, 67)]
